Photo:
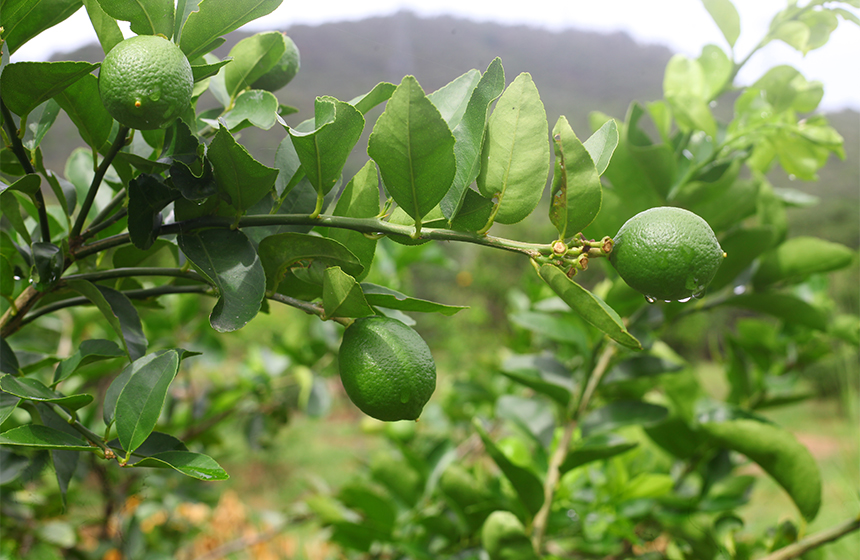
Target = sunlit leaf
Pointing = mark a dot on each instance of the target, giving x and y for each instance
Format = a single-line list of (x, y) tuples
[(515, 157)]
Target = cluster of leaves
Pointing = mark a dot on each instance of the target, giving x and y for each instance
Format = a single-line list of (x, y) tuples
[(189, 204)]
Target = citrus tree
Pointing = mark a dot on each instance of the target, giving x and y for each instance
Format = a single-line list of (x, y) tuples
[(594, 439)]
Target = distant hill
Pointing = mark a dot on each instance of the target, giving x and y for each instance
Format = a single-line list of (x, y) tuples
[(575, 71)]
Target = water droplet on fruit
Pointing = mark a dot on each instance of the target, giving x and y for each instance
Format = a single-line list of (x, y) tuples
[(155, 94), (405, 396), (650, 299)]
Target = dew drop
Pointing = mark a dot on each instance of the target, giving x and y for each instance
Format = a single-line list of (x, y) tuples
[(405, 395), (155, 94), (739, 290), (712, 104), (650, 299), (685, 300)]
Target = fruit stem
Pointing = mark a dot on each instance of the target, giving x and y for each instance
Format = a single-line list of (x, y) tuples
[(117, 145)]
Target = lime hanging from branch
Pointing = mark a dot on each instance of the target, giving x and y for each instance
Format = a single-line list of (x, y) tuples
[(386, 368), (666, 253), (145, 82)]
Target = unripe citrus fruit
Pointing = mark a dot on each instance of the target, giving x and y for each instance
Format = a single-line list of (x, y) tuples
[(145, 82), (386, 368), (666, 253), (504, 538), (283, 71)]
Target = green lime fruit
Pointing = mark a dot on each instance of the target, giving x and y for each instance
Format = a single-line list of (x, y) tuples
[(504, 538), (386, 368), (145, 82), (283, 71), (667, 254)]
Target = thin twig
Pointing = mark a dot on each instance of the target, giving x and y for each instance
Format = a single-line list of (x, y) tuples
[(117, 145), (803, 546), (553, 474), (18, 149)]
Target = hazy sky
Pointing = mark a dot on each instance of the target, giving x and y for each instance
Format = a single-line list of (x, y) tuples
[(683, 25)]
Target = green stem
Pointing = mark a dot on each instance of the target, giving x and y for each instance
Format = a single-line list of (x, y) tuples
[(117, 145), (134, 271), (91, 436), (307, 307), (106, 212), (131, 294), (363, 225), (18, 149), (553, 474), (103, 225), (803, 546)]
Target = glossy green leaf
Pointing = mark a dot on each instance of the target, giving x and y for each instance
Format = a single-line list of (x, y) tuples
[(639, 366), (324, 150), (452, 98), (34, 390), (65, 461), (157, 442), (380, 296), (469, 134), (28, 184), (140, 400), (793, 33), (239, 176), (119, 312), (798, 257), (278, 253), (618, 414), (359, 199), (380, 93), (105, 26), (725, 15), (8, 404), (778, 453), (414, 149), (24, 19), (147, 197), (11, 209), (565, 328), (595, 448), (253, 108), (515, 157), (203, 71), (342, 295), (655, 163), (717, 68), (147, 17), (26, 85), (8, 359), (526, 483), (43, 437), (189, 463), (576, 189), (228, 260), (785, 87), (589, 306), (252, 57), (39, 121), (783, 306), (213, 18), (89, 351), (47, 265), (542, 373), (742, 246), (601, 145)]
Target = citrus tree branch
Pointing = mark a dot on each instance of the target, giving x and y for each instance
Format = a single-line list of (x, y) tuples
[(803, 546), (560, 454), (117, 145), (18, 149)]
